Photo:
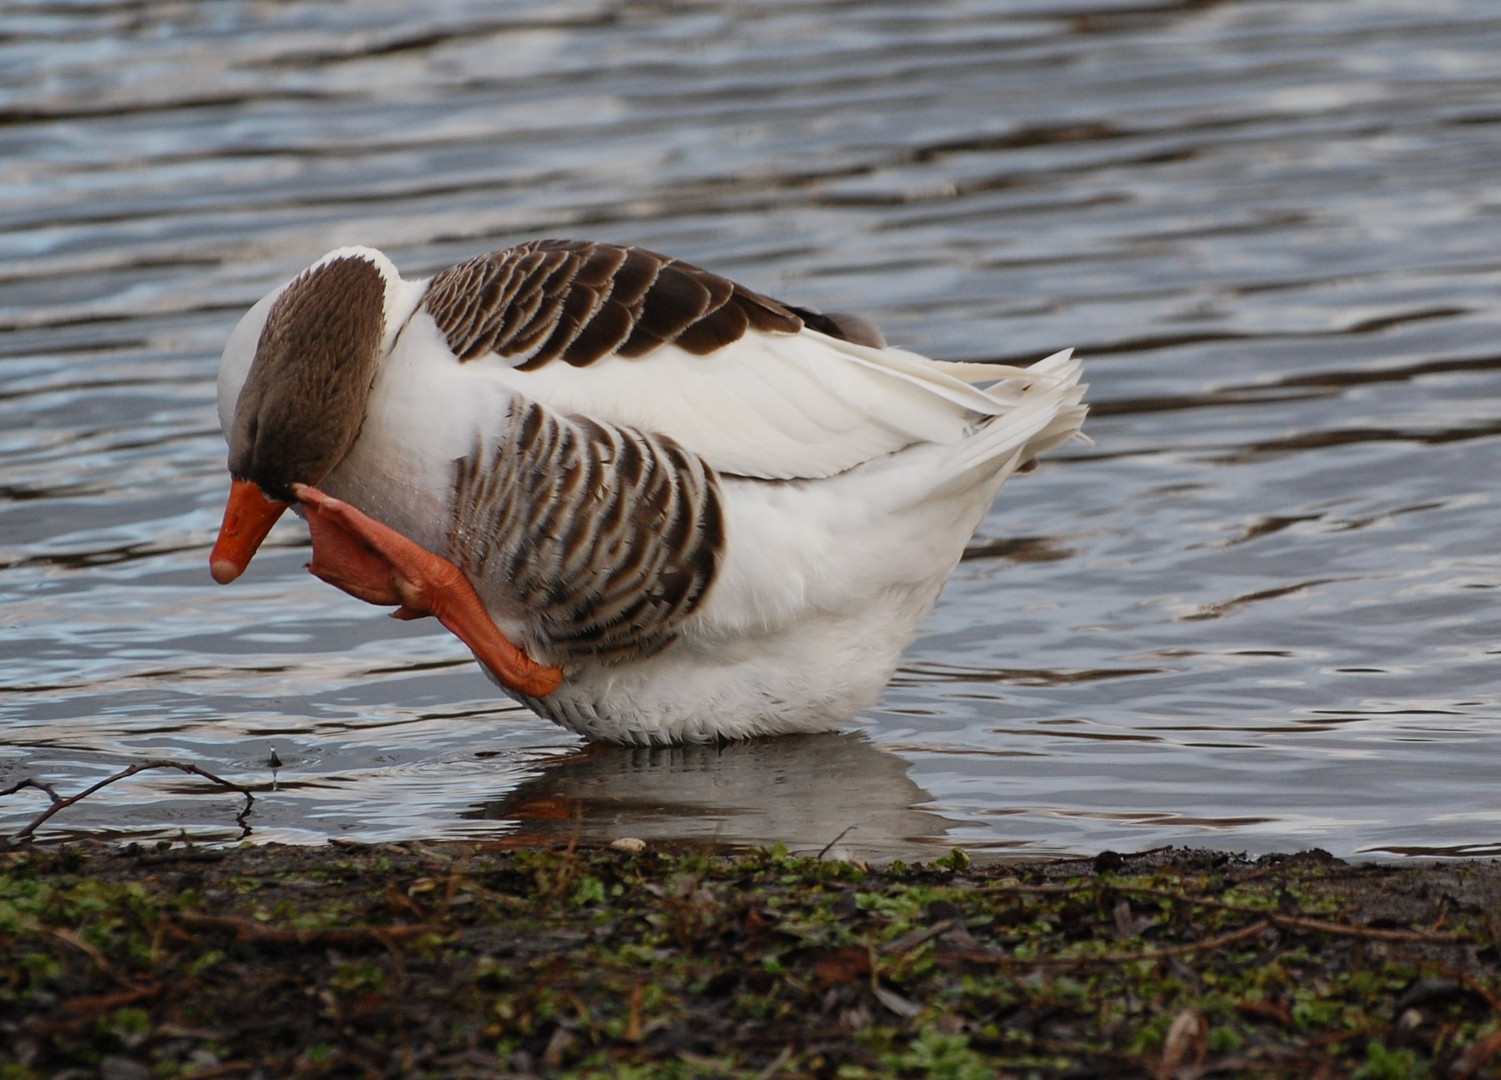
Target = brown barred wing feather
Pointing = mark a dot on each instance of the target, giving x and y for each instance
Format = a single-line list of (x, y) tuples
[(581, 301), (605, 537)]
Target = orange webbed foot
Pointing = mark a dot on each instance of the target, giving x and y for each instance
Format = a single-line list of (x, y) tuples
[(375, 563)]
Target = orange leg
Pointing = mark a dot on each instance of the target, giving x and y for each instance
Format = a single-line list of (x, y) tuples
[(375, 563)]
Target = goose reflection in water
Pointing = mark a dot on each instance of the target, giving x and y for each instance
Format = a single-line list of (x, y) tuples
[(810, 792)]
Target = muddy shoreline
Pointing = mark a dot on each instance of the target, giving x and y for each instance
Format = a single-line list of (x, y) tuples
[(470, 960)]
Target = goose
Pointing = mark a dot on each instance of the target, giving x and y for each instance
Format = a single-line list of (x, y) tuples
[(657, 506)]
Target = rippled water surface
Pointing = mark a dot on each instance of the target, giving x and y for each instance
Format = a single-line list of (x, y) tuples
[(1260, 612)]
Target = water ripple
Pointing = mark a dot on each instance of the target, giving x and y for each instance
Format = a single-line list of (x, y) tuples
[(1258, 612)]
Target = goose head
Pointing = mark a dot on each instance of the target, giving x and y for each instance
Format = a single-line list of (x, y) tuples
[(300, 405)]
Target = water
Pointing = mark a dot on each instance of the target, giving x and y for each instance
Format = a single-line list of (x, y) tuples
[(1258, 613)]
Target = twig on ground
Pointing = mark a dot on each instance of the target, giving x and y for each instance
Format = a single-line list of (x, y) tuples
[(1231, 938), (776, 1064), (1476, 1056), (1286, 922), (1368, 933), (345, 937), (103, 1003), (1303, 922), (74, 938), (911, 942)]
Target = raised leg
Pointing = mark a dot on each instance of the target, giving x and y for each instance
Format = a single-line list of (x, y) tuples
[(375, 563)]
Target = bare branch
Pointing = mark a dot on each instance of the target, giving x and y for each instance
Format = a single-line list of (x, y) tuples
[(30, 783), (59, 803)]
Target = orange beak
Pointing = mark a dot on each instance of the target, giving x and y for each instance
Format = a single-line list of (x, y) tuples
[(248, 517)]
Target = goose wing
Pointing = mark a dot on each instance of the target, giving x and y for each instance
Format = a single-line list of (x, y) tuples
[(631, 337)]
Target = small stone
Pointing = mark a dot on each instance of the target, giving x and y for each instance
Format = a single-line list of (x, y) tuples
[(628, 844), (558, 1046), (1186, 1043), (117, 1067)]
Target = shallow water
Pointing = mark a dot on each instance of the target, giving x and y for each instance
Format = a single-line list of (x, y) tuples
[(1258, 613)]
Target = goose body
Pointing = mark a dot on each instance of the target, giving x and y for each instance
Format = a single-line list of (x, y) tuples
[(699, 512)]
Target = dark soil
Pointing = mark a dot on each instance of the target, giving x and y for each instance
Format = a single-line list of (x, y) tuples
[(457, 960)]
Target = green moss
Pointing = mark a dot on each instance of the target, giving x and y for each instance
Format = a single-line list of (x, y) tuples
[(1387, 1064), (357, 978), (941, 1057)]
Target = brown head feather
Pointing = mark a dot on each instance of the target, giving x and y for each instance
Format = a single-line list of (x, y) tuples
[(303, 401)]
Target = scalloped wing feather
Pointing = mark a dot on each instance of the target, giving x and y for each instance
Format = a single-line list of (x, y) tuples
[(751, 385)]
